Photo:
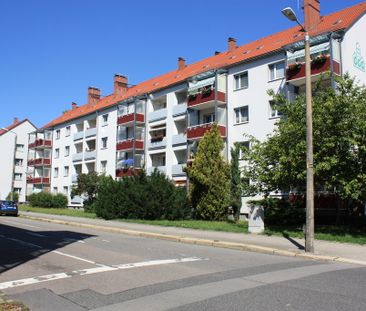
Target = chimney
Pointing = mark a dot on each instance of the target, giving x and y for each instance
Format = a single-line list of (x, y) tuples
[(312, 14), (217, 52), (15, 120), (93, 95), (74, 106), (181, 63), (231, 44), (120, 84)]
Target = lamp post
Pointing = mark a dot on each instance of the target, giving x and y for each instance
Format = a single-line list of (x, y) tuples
[(309, 231), (15, 148)]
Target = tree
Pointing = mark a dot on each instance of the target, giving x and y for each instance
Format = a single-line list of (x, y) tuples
[(209, 178), (87, 186), (235, 185), (15, 196), (279, 162)]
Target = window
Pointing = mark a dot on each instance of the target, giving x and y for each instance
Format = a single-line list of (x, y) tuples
[(103, 166), (105, 119), (244, 145), (241, 114), (58, 132), (17, 176), (273, 113), (67, 151), (66, 171), (68, 130), (55, 190), (66, 190), (241, 81), (104, 142), (55, 172), (209, 118), (18, 190), (276, 71), (20, 147), (57, 153), (18, 162)]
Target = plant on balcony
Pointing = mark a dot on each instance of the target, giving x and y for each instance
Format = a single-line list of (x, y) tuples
[(294, 67), (192, 96), (157, 138), (206, 90), (319, 60), (209, 178)]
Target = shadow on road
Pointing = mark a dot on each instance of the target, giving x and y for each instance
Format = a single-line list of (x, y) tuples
[(297, 244), (19, 245)]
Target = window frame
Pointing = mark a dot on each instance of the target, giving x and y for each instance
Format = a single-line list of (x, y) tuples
[(68, 131), (67, 151), (105, 120), (104, 141), (274, 66), (238, 109), (58, 134), (237, 77), (277, 115)]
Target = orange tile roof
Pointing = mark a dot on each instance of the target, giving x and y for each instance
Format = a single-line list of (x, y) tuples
[(336, 21)]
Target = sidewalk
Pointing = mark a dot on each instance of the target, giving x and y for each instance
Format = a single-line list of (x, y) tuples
[(324, 250)]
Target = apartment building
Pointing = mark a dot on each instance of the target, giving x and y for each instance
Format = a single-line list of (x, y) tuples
[(159, 123), (14, 150)]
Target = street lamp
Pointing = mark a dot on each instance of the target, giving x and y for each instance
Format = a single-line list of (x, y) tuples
[(309, 232), (15, 148)]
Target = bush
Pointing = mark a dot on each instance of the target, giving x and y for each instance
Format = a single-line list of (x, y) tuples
[(141, 197), (281, 212), (46, 199), (15, 197)]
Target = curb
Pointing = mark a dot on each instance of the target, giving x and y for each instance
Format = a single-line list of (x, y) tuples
[(202, 242)]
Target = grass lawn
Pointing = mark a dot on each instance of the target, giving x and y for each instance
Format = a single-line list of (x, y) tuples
[(341, 234), (57, 211)]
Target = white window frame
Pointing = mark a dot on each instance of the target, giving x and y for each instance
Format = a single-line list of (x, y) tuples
[(103, 166), (239, 116), (55, 172), (104, 142), (66, 171), (57, 153), (238, 81), (273, 68), (273, 113), (68, 131), (105, 119), (66, 190), (67, 151), (58, 134)]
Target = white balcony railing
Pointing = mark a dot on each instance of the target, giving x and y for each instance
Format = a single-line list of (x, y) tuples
[(179, 139), (157, 144), (158, 115), (90, 155), (79, 135), (159, 168), (77, 157), (177, 170), (179, 110), (91, 132)]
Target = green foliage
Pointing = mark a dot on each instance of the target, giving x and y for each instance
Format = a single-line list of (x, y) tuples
[(235, 184), (87, 186), (46, 199), (209, 178), (141, 197), (15, 197), (281, 212), (279, 162)]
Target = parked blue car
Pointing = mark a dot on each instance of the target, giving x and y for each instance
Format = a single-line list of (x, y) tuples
[(8, 208)]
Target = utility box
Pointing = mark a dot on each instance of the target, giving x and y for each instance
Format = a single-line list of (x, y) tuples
[(256, 219)]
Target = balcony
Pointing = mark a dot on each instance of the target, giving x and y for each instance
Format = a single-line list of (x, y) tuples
[(130, 118), (129, 144), (151, 169), (127, 172), (79, 135), (157, 143), (295, 74), (40, 143), (77, 157), (197, 131), (74, 178), (179, 110), (90, 155), (158, 115), (38, 180), (179, 139), (39, 162), (207, 98), (177, 170), (91, 132)]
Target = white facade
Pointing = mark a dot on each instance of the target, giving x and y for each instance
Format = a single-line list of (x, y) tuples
[(13, 167)]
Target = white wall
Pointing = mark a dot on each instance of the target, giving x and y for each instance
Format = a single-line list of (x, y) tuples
[(353, 38)]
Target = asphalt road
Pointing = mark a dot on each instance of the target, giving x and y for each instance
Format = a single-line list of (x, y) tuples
[(57, 267)]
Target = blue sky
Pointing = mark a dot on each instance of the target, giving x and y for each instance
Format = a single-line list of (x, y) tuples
[(52, 50)]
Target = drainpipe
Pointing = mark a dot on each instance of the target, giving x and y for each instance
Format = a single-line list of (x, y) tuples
[(332, 83)]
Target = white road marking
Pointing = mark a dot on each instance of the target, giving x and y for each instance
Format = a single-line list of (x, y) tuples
[(37, 234), (23, 243), (74, 240), (106, 241), (21, 224), (63, 275), (74, 257)]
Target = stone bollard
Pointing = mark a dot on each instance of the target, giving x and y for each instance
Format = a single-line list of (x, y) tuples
[(256, 219)]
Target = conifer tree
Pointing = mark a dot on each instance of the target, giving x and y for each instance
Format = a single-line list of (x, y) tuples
[(235, 186)]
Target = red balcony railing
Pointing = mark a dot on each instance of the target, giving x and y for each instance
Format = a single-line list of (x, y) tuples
[(317, 67), (200, 98), (38, 180), (127, 172), (128, 118), (39, 162), (197, 131), (130, 144), (40, 143)]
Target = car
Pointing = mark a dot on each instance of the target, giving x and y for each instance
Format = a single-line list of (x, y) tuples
[(8, 208)]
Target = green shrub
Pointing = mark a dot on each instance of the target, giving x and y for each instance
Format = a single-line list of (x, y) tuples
[(281, 212), (46, 199), (141, 197), (15, 196)]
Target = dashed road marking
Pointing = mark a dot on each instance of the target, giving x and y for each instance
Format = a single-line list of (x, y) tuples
[(21, 224), (74, 257), (102, 268), (37, 234)]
